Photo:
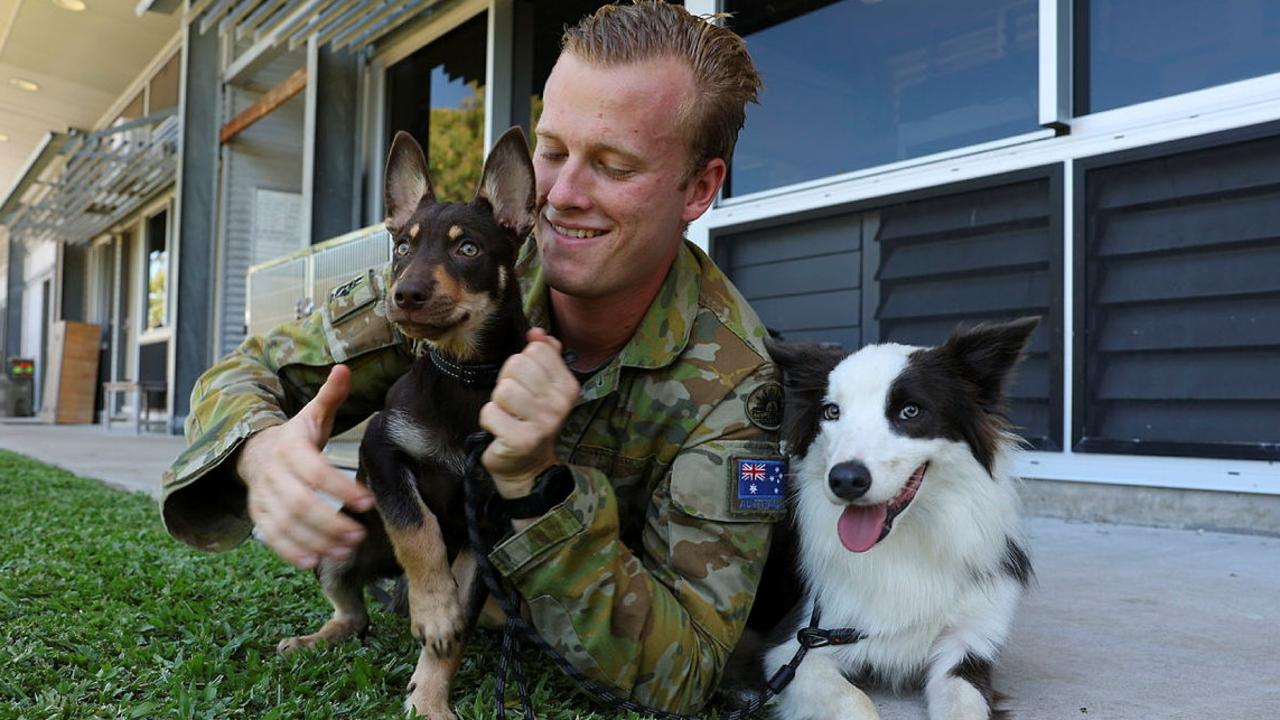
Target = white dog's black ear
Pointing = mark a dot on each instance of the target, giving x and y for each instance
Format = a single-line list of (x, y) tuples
[(507, 183), (987, 354), (405, 184), (805, 368)]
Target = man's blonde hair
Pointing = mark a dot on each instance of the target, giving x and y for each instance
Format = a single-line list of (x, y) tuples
[(724, 79)]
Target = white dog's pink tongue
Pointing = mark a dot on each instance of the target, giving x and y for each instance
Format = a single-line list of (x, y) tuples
[(860, 526)]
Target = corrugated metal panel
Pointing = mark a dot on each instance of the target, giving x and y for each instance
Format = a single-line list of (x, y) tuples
[(267, 156), (1181, 307)]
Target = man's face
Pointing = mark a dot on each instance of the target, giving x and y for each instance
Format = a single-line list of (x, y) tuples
[(609, 163)]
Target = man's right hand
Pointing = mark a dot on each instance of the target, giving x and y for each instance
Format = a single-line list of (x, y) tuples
[(283, 467)]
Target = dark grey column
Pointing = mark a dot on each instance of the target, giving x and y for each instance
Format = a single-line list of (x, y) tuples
[(338, 186), (74, 260), (197, 252), (13, 303)]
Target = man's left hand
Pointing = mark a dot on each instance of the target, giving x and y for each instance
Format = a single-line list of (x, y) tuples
[(534, 394)]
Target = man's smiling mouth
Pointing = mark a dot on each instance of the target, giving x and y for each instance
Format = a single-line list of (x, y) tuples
[(581, 234)]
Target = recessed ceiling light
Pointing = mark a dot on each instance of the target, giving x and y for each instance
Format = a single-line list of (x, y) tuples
[(24, 84), (72, 5), (4, 138)]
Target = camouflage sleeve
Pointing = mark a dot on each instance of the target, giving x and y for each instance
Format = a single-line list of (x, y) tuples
[(261, 384), (659, 628)]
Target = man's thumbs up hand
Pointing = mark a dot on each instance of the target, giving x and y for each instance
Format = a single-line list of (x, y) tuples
[(283, 469)]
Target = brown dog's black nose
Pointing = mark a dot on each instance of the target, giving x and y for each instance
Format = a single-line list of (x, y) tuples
[(410, 295), (849, 480)]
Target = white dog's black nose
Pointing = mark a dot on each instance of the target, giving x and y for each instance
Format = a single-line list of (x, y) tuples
[(849, 480)]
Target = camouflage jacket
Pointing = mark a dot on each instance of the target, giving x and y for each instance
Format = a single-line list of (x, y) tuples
[(644, 576)]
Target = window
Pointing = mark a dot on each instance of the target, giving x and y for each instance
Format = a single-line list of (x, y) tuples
[(157, 270), (437, 95), (1131, 51), (859, 83), (539, 27), (1178, 324)]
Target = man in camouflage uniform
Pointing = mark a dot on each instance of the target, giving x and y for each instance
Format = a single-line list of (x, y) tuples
[(643, 577)]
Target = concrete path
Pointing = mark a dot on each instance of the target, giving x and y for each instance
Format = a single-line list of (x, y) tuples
[(118, 458), (1126, 623), (1133, 623)]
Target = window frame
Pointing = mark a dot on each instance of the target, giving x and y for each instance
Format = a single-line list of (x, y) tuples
[(403, 43), (163, 332)]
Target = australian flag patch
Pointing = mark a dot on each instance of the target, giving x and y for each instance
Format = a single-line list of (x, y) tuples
[(761, 484)]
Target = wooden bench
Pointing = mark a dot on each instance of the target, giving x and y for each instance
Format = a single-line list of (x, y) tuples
[(142, 392)]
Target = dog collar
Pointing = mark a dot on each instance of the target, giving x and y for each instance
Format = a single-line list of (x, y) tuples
[(469, 374)]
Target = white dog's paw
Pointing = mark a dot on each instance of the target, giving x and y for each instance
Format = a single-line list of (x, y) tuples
[(821, 692), (956, 699)]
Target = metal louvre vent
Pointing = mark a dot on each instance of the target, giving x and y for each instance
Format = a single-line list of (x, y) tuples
[(350, 24), (985, 255), (803, 280), (1181, 307), (913, 270), (106, 176)]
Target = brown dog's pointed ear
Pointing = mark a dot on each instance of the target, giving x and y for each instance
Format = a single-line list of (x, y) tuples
[(405, 184), (508, 184)]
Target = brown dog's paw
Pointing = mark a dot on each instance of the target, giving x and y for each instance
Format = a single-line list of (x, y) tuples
[(437, 620), (298, 642), (428, 699), (334, 631)]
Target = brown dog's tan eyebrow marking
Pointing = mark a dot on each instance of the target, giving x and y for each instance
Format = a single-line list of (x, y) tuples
[(455, 232), (413, 231)]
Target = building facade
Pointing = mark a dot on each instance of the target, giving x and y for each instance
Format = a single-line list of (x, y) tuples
[(1111, 166)]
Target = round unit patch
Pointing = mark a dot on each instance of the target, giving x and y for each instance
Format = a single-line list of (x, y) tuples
[(764, 406)]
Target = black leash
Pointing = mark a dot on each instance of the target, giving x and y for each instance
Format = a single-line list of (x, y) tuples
[(516, 631)]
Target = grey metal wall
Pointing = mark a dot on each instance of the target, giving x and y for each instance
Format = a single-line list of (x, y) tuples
[(75, 260), (1180, 317), (14, 291), (267, 156), (912, 269)]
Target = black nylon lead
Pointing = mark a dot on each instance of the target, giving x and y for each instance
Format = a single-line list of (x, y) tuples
[(516, 631)]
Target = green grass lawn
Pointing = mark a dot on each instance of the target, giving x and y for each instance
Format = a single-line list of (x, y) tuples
[(103, 615)]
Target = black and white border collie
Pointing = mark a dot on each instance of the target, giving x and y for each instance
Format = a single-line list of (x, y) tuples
[(908, 520)]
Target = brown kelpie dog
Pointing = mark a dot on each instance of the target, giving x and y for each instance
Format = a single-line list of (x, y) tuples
[(454, 288)]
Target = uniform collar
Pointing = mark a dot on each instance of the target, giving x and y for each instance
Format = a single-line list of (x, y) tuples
[(660, 338)]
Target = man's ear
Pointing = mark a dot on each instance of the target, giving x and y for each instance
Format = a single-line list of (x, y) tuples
[(405, 184), (507, 183), (701, 189)]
